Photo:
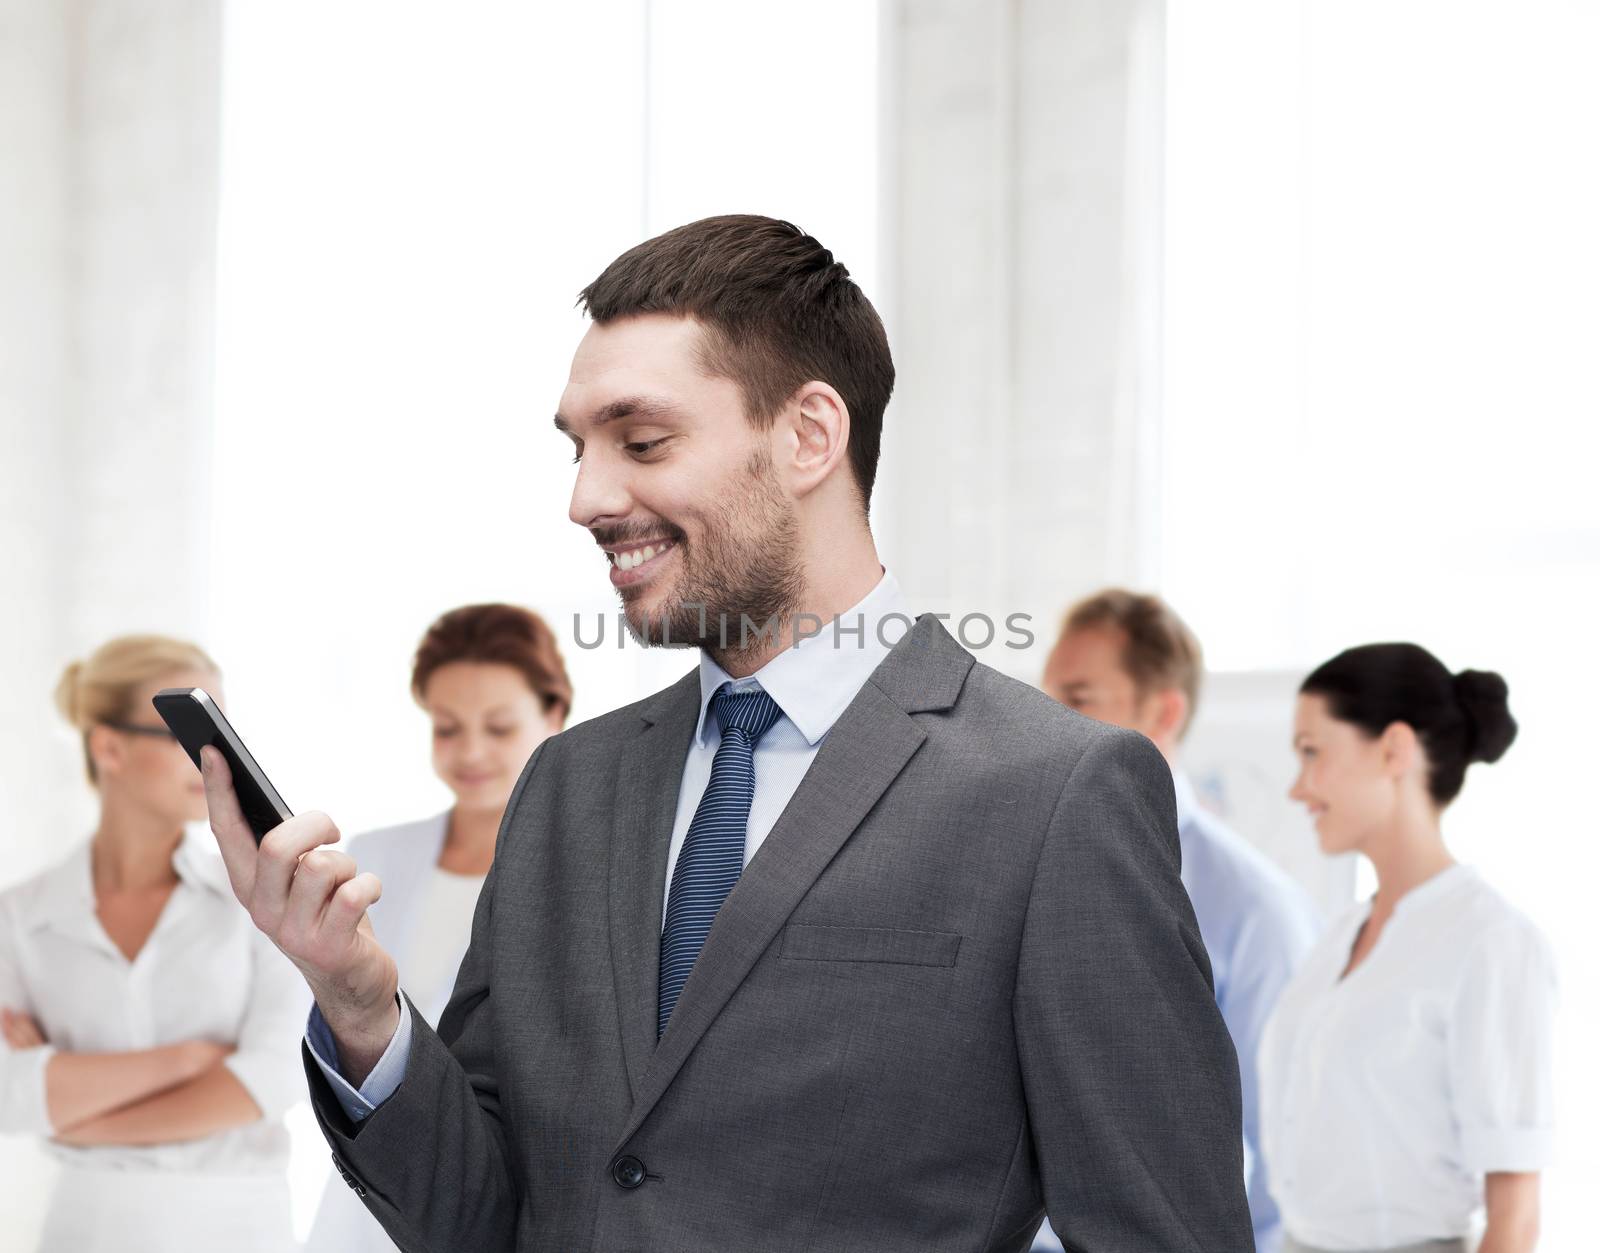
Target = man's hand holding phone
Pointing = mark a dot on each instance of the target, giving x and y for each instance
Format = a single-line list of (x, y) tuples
[(311, 901)]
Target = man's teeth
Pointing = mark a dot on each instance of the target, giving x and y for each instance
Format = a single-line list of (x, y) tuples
[(637, 556)]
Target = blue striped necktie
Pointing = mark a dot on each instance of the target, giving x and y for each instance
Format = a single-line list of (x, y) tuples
[(712, 856)]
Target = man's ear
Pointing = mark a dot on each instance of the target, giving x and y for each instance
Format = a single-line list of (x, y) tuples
[(1160, 715), (1167, 709), (1174, 712), (816, 435)]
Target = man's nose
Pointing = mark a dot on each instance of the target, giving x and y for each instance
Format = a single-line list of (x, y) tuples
[(599, 494)]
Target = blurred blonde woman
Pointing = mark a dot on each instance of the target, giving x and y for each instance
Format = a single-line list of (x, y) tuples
[(150, 1030), (494, 687), (1406, 1071)]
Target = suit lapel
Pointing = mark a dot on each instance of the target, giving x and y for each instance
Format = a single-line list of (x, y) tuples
[(649, 773), (859, 759)]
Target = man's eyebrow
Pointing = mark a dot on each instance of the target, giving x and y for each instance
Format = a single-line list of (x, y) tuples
[(628, 407)]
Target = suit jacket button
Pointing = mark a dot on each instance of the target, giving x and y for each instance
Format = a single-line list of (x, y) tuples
[(344, 1173), (627, 1171)]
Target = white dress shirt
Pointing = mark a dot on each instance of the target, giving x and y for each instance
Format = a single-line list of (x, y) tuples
[(1388, 1094), (205, 973), (812, 681)]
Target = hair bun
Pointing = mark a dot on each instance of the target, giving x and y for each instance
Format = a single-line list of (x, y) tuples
[(67, 692), (1491, 727)]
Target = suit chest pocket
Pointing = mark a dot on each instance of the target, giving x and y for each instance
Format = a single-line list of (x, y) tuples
[(807, 942)]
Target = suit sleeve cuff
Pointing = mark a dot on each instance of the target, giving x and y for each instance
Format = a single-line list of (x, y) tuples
[(386, 1076)]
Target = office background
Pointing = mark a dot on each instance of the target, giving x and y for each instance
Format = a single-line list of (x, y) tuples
[(1283, 308)]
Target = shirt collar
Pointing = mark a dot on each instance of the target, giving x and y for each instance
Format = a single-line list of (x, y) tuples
[(1436, 885), (814, 679), (199, 864), (64, 895)]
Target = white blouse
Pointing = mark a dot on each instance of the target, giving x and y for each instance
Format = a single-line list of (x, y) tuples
[(204, 973), (1387, 1095), (443, 925)]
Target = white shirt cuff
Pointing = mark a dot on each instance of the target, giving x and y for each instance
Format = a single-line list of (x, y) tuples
[(386, 1076), (1490, 1149)]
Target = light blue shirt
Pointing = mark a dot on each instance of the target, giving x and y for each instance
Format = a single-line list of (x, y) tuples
[(812, 680), (1257, 924)]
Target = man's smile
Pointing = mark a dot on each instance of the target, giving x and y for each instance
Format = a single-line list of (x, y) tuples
[(636, 560)]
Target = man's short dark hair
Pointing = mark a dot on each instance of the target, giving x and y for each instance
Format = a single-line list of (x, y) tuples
[(778, 311)]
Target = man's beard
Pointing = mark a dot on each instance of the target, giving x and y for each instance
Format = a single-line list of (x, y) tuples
[(744, 565)]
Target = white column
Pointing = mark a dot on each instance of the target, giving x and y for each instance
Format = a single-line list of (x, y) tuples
[(108, 166), (107, 224), (143, 248), (35, 499), (1022, 244)]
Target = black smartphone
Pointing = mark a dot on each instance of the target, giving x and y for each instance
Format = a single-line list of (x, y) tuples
[(194, 718)]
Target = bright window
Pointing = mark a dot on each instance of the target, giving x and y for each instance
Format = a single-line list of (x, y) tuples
[(1381, 404)]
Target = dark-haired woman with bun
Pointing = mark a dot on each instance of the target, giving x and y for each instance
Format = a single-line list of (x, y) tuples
[(492, 682), (1405, 1074)]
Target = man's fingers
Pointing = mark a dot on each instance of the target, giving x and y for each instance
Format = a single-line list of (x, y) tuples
[(319, 875), (277, 860), (350, 903), (308, 900), (234, 837)]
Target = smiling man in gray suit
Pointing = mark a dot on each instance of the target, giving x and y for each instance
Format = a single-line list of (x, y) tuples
[(849, 945)]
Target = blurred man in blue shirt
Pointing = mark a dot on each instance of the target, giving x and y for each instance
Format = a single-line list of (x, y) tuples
[(1129, 659)]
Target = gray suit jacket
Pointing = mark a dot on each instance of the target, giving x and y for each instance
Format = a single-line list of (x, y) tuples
[(959, 983)]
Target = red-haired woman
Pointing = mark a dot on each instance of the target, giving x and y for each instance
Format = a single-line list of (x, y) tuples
[(492, 681)]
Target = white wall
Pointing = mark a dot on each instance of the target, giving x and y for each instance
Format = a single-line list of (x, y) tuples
[(1025, 147), (38, 772), (35, 503), (108, 164), (106, 227), (144, 187)]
